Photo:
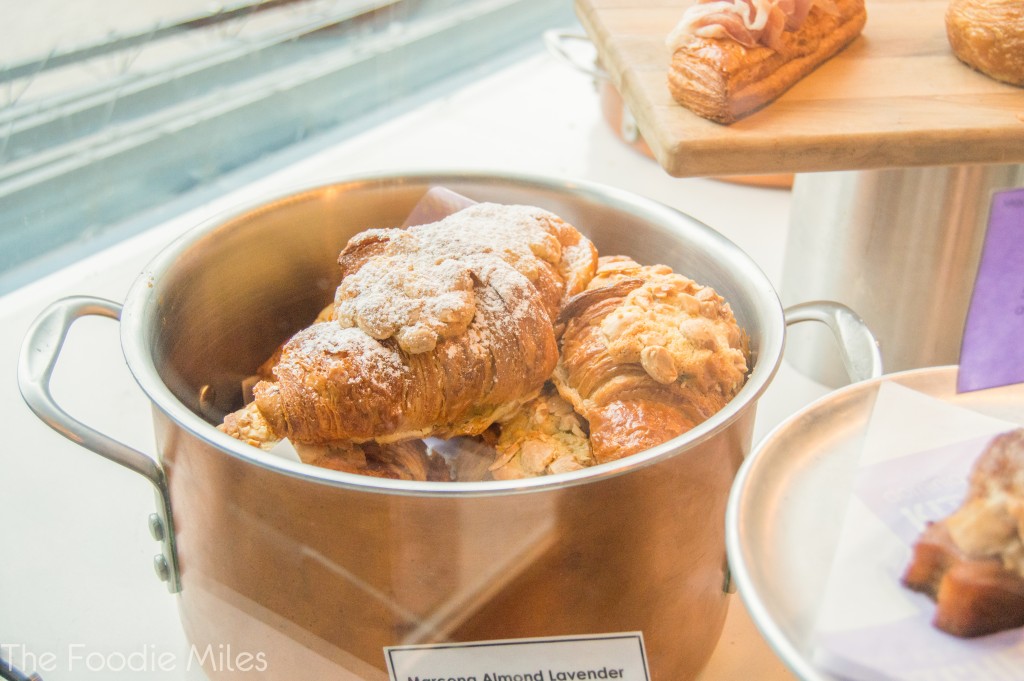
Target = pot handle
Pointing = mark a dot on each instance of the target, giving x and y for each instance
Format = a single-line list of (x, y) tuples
[(860, 353), (557, 43), (39, 353)]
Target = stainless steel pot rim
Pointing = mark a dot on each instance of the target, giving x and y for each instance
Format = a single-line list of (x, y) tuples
[(140, 301), (740, 559), (734, 542)]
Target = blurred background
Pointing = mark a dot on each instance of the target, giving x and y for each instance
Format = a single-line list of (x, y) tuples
[(115, 115)]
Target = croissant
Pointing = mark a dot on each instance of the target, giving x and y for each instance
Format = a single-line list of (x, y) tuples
[(646, 355), (436, 330), (972, 562)]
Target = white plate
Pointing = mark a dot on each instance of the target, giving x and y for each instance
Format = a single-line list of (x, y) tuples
[(789, 498)]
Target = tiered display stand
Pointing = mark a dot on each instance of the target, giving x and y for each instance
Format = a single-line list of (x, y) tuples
[(897, 147)]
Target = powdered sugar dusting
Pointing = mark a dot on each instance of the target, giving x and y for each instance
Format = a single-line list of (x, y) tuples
[(321, 343), (418, 284), (417, 302)]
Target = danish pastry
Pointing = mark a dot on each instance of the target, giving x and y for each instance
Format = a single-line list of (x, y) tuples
[(972, 562)]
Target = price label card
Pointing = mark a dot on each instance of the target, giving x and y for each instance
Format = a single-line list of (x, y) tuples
[(620, 657), (992, 353)]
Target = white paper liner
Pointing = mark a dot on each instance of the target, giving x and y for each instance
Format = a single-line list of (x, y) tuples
[(914, 468), (286, 450)]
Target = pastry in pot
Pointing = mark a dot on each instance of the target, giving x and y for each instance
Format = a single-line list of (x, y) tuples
[(732, 57), (646, 355), (544, 437), (436, 330), (989, 36), (972, 562)]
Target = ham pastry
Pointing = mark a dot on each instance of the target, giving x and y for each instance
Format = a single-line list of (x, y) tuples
[(732, 57)]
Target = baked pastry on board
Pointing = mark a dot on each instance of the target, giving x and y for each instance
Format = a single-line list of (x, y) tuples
[(988, 35), (732, 57)]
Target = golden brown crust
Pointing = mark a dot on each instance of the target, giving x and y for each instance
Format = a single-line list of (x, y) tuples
[(973, 596), (417, 284), (647, 354), (407, 460), (722, 80), (988, 35), (437, 330), (336, 383), (972, 562)]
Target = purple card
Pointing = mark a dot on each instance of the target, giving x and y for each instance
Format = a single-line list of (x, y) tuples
[(992, 353)]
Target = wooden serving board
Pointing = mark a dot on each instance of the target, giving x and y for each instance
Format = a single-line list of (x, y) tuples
[(895, 97)]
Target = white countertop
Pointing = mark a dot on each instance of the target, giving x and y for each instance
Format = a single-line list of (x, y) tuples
[(75, 579)]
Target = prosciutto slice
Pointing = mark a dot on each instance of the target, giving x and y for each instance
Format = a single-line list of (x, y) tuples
[(748, 22)]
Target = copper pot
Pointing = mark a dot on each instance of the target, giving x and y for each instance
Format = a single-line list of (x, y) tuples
[(322, 569)]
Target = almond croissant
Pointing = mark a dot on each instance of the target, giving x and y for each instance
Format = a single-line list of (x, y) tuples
[(647, 354), (436, 330)]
